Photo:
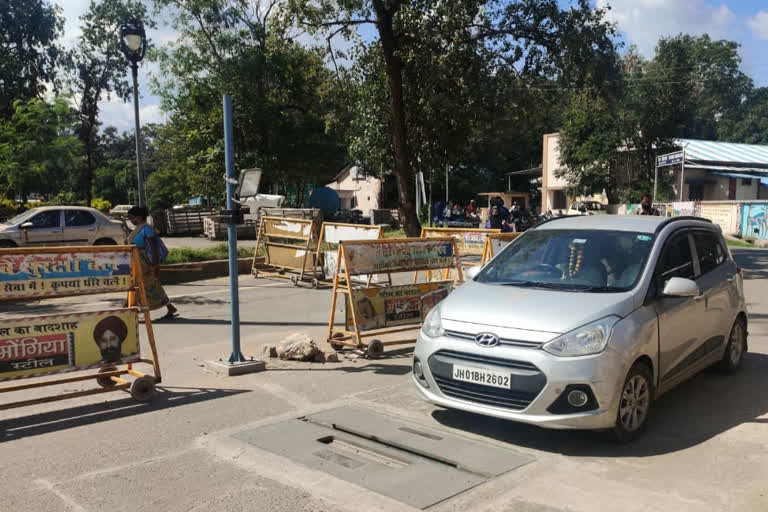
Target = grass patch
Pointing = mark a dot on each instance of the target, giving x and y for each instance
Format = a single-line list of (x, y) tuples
[(219, 252), (394, 233), (740, 243)]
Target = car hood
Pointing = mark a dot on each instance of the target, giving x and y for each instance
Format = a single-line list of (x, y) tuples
[(531, 309)]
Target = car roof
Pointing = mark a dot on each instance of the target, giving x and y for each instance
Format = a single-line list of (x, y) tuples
[(44, 208), (632, 223)]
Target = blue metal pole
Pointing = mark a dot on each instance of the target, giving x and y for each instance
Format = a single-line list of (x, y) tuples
[(229, 154)]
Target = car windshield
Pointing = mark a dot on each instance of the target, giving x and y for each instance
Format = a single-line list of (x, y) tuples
[(573, 260), (22, 217)]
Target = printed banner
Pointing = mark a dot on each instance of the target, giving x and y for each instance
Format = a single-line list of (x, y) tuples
[(383, 256), (296, 229), (376, 308), (335, 233), (34, 346), (470, 241), (289, 257), (55, 274)]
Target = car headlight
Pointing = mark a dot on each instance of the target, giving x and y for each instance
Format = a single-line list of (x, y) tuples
[(433, 324), (588, 339)]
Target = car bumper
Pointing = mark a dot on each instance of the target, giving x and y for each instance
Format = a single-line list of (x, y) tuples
[(601, 374)]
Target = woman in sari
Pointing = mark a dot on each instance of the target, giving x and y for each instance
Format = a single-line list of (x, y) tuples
[(142, 237)]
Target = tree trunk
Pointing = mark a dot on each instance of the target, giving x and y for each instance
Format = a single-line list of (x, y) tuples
[(403, 172)]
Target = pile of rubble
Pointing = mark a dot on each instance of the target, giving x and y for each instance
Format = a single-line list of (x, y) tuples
[(300, 347)]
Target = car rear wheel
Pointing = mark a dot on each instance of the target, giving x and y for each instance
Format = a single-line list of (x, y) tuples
[(635, 401), (736, 347), (104, 241)]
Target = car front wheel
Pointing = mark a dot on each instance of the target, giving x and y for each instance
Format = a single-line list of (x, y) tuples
[(634, 403)]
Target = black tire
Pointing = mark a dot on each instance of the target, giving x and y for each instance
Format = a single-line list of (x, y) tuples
[(7, 244), (735, 349), (635, 402), (375, 349), (104, 241), (143, 388), (106, 382)]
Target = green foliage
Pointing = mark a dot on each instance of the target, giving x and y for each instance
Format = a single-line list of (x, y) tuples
[(98, 71), (28, 50), (37, 149), (101, 204), (219, 252), (63, 199)]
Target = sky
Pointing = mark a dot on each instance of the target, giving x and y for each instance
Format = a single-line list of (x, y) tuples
[(640, 22)]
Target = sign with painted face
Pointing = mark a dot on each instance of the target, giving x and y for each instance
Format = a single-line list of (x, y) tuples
[(58, 274), (42, 345)]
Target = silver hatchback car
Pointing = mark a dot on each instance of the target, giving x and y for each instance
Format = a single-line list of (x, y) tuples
[(583, 322), (60, 225)]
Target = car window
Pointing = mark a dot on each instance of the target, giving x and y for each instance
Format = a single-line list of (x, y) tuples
[(47, 219), (709, 250), (569, 259), (677, 261), (78, 218)]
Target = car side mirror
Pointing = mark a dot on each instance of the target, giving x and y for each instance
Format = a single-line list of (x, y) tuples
[(27, 225), (472, 272), (680, 287)]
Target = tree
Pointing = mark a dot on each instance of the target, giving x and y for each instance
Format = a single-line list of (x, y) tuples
[(37, 148), (99, 70), (28, 51), (430, 52), (750, 124), (282, 94)]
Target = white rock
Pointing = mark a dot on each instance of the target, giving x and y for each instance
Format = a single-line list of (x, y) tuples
[(297, 347)]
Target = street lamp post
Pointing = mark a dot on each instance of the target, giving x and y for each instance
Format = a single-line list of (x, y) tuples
[(133, 43)]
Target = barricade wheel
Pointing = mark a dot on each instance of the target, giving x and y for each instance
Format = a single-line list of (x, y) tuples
[(106, 382), (295, 280), (256, 273), (143, 388), (315, 283), (337, 346), (375, 349)]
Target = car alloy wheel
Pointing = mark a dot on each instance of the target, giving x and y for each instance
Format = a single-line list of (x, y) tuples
[(635, 402), (736, 345)]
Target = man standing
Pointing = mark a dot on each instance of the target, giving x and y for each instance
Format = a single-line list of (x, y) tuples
[(646, 206)]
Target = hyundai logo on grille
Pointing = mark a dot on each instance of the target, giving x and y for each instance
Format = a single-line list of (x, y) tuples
[(486, 339)]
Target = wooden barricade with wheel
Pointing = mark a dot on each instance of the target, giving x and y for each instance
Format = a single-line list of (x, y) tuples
[(331, 234), (288, 250), (106, 340), (377, 310), (495, 243), (470, 242)]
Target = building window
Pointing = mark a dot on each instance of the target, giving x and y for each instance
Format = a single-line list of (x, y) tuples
[(695, 191), (746, 182)]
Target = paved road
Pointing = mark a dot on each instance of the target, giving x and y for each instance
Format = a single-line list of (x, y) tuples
[(706, 448)]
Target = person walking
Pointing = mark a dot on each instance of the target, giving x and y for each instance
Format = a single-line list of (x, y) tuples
[(646, 206), (144, 237)]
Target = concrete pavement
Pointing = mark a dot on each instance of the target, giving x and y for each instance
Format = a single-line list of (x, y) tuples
[(705, 449)]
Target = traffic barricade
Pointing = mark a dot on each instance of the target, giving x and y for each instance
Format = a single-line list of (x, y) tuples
[(378, 309), (495, 243), (331, 233), (106, 340), (288, 250), (470, 243)]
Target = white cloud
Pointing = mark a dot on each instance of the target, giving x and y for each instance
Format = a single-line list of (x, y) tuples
[(645, 21), (759, 25)]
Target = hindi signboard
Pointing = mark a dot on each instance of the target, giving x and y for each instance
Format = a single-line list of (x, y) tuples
[(296, 229), (669, 159), (380, 307), (385, 256), (25, 275), (34, 346), (468, 241)]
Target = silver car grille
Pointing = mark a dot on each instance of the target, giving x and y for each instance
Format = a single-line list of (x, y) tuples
[(527, 380), (502, 341)]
